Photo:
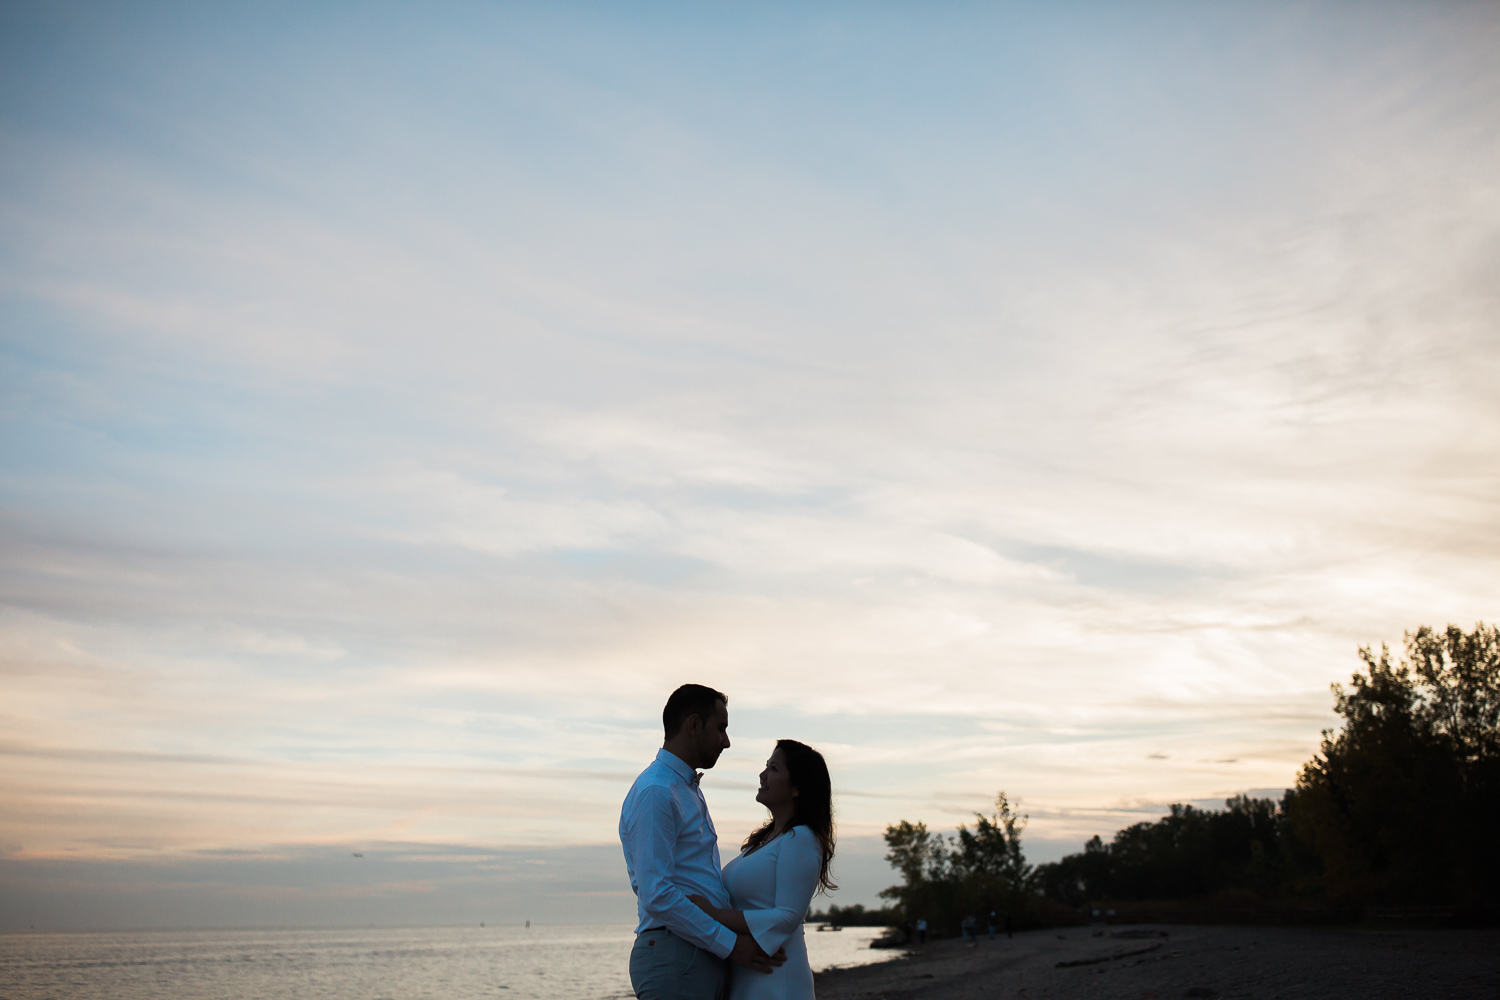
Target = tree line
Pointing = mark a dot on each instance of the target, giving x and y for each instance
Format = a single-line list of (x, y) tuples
[(1399, 807)]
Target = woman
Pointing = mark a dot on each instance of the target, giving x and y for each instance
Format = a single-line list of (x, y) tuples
[(779, 868)]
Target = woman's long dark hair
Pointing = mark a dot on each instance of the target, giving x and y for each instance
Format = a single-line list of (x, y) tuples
[(813, 807)]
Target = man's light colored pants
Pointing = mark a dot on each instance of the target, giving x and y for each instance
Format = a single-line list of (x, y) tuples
[(665, 967)]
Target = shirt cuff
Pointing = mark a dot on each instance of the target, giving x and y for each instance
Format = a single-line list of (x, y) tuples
[(723, 942)]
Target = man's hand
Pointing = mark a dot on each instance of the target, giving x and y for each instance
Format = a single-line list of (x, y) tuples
[(747, 953)]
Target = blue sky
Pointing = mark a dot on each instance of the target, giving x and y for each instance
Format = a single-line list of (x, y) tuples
[(398, 403)]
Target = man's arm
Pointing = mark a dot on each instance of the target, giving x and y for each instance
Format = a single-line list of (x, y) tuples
[(650, 836), (733, 919), (746, 951)]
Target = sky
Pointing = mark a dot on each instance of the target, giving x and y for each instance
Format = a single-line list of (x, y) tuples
[(398, 401)]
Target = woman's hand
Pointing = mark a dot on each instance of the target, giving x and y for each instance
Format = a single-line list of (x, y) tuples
[(702, 903)]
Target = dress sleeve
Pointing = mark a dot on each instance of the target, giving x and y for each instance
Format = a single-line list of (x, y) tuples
[(798, 862)]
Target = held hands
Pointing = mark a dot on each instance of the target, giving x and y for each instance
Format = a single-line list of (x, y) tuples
[(749, 954), (746, 951)]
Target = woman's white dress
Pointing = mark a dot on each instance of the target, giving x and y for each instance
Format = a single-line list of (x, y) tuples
[(774, 886)]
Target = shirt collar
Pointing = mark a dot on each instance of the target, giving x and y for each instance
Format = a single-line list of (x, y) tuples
[(679, 765)]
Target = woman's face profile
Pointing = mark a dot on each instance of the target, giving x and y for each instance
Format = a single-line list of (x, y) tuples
[(775, 784)]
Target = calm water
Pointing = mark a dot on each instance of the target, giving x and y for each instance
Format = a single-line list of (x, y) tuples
[(454, 963)]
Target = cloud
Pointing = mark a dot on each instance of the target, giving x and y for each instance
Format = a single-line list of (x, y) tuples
[(378, 454)]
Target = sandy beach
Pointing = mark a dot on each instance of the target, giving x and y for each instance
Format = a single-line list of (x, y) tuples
[(1160, 962)]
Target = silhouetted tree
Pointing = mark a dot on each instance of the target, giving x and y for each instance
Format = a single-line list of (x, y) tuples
[(974, 871), (1077, 878), (912, 851), (1187, 853), (988, 863), (1402, 803), (992, 850)]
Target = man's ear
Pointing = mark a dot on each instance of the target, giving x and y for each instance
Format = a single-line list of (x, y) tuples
[(692, 726)]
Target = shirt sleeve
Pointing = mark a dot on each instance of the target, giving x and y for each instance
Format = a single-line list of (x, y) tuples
[(798, 864), (650, 836)]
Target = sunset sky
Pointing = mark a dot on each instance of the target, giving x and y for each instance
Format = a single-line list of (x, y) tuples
[(400, 400)]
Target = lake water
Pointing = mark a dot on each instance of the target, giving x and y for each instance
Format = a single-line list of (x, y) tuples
[(453, 963)]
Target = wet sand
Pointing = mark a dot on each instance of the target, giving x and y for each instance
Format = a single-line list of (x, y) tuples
[(1161, 962)]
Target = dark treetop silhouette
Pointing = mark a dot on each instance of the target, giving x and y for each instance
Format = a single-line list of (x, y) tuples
[(1399, 807)]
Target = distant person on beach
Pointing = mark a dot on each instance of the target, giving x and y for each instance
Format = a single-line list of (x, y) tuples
[(780, 867), (921, 930), (672, 852)]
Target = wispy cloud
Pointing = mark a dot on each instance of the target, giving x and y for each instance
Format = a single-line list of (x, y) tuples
[(394, 411)]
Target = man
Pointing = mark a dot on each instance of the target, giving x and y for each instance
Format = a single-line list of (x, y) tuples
[(672, 852)]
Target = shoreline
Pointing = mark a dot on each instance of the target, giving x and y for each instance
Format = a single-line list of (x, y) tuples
[(1157, 962)]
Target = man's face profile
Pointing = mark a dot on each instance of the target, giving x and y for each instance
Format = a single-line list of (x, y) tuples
[(713, 737)]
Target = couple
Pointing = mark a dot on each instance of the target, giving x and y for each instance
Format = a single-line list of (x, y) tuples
[(705, 934)]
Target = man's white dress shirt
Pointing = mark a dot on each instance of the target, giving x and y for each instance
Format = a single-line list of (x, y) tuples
[(672, 852)]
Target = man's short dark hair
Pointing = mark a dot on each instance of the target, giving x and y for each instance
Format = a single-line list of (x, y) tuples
[(690, 699)]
